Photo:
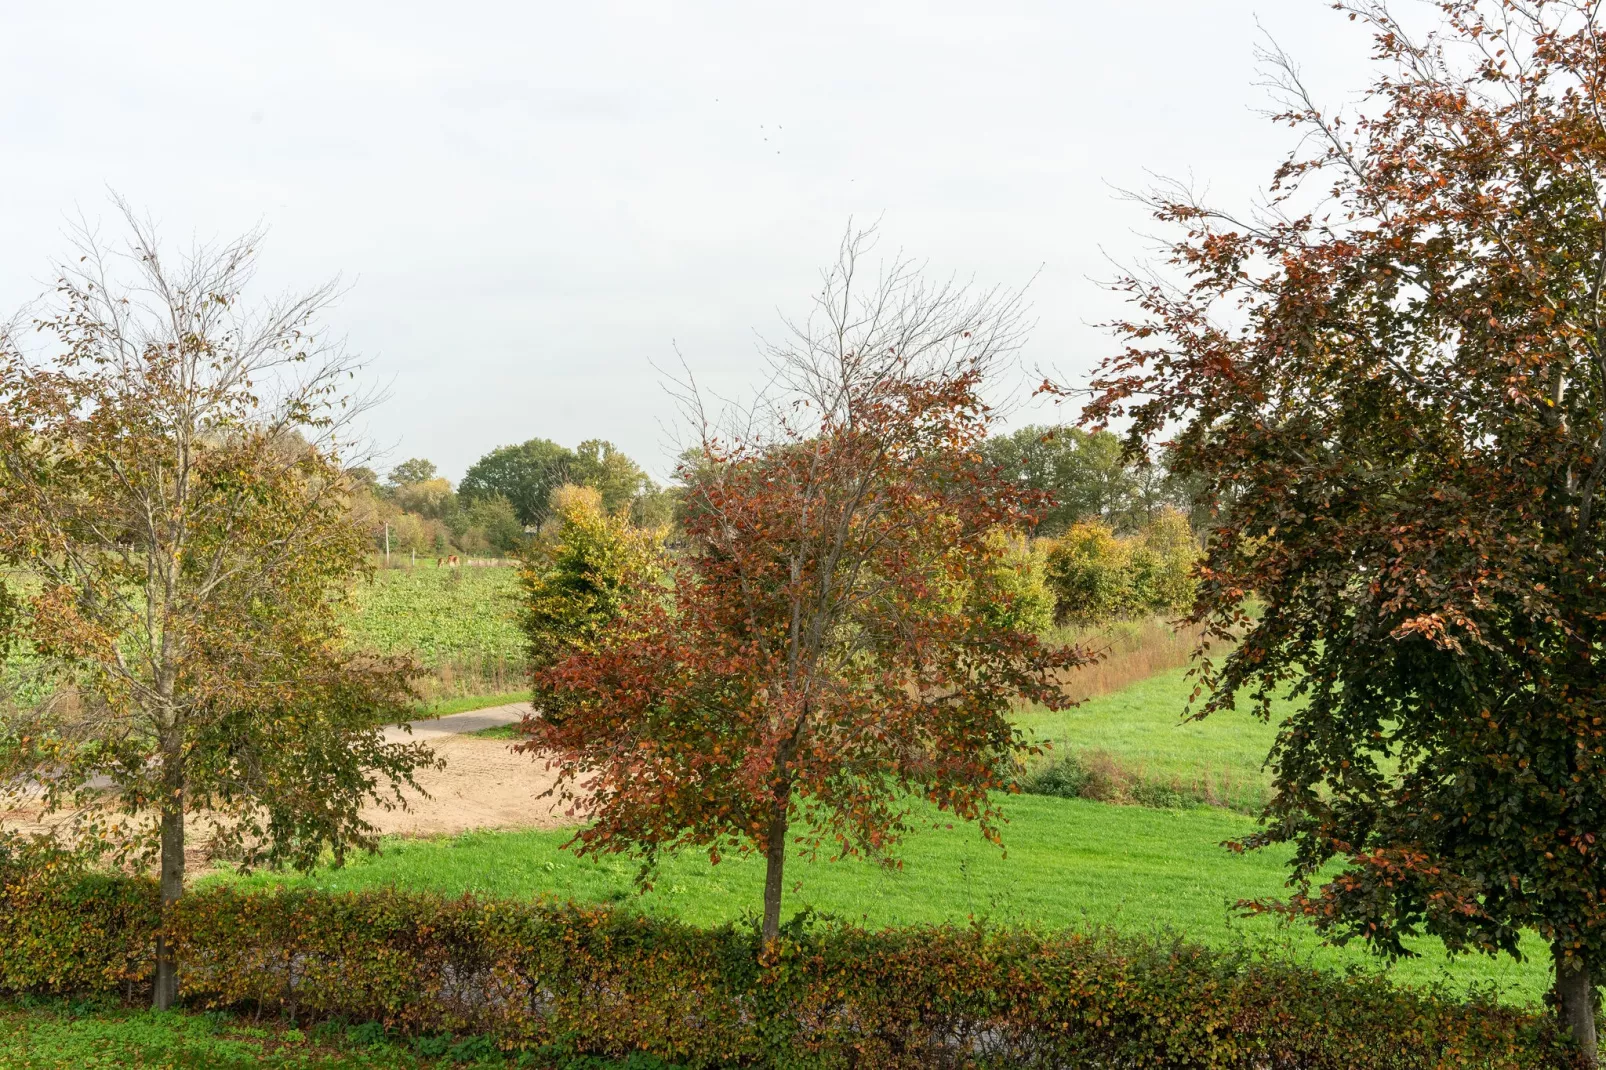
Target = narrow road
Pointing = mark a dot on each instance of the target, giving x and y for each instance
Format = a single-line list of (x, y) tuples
[(458, 724)]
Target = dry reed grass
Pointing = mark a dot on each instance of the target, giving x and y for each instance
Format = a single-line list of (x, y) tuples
[(473, 677), (1130, 651)]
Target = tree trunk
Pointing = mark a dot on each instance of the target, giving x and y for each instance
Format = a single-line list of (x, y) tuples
[(1575, 992), (166, 990), (775, 863)]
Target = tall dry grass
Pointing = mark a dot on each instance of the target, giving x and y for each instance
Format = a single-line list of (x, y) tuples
[(1129, 651), (473, 677)]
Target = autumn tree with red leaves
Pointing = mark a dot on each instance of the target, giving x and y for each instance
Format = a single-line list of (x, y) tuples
[(1393, 379), (839, 643)]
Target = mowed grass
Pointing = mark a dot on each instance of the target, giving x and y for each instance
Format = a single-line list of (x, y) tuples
[(1069, 864), (1143, 726)]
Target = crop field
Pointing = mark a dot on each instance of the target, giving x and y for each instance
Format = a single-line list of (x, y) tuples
[(440, 615), (458, 622)]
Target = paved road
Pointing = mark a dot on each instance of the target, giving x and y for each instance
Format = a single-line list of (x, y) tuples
[(458, 724)]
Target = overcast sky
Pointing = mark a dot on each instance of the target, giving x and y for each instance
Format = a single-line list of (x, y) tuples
[(535, 202)]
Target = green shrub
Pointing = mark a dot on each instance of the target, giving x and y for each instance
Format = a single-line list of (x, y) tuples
[(578, 579), (1099, 776), (556, 977), (1015, 592), (67, 931), (1098, 576)]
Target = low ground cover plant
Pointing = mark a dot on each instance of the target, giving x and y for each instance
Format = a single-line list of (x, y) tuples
[(609, 983)]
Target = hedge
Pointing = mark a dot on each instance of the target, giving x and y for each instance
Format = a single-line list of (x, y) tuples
[(607, 981)]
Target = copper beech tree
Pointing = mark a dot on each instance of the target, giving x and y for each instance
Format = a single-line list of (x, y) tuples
[(838, 644), (1393, 381), (175, 523)]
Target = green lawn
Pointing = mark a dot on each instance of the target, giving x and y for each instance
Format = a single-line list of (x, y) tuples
[(1142, 726), (1070, 864)]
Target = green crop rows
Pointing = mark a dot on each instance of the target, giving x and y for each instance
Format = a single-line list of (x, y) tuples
[(439, 615)]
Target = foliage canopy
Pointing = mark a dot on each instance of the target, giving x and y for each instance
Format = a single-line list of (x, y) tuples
[(169, 485), (1394, 379), (840, 638)]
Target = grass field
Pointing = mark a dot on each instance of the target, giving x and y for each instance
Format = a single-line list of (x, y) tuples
[(1141, 728), (1070, 863), (57, 1034)]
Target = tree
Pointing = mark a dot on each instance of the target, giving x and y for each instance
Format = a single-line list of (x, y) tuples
[(169, 486), (1403, 424), (526, 475), (604, 467), (1084, 474), (415, 470), (494, 518), (577, 582), (836, 643), (432, 499)]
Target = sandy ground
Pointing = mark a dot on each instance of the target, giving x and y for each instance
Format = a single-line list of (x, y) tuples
[(484, 785)]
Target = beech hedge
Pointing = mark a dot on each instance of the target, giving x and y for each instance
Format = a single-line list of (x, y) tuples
[(610, 982)]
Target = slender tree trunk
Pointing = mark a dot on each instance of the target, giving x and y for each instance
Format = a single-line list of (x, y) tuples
[(775, 863), (172, 812), (1575, 991)]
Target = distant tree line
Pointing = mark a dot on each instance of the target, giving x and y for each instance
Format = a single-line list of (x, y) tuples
[(506, 495), (1089, 476), (503, 498)]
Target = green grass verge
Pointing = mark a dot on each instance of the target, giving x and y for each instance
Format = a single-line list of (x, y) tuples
[(1070, 863), (474, 702), (500, 731), (63, 1035), (54, 1033)]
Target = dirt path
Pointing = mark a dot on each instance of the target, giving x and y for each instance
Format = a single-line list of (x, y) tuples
[(484, 785)]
